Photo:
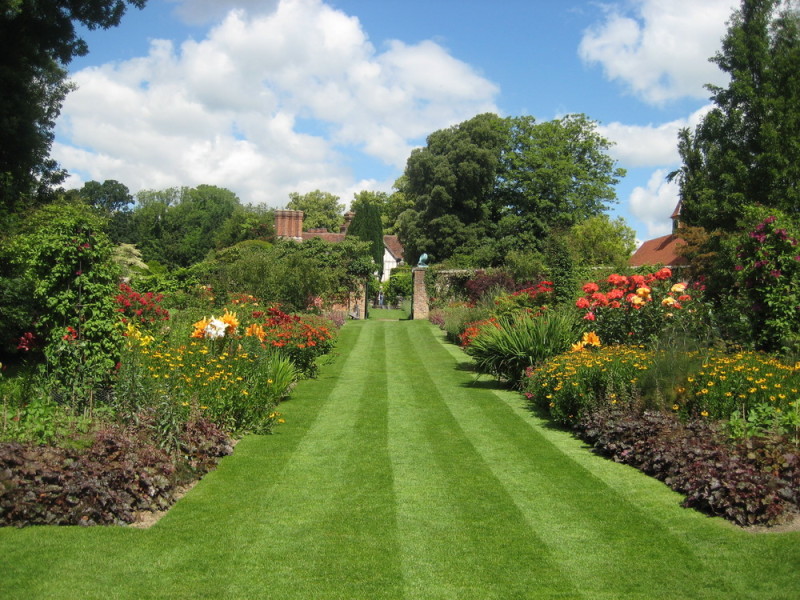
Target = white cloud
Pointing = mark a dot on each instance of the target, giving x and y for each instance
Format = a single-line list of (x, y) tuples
[(660, 49), (265, 105), (648, 145), (654, 204)]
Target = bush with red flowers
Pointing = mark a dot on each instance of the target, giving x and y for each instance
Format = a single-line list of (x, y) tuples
[(140, 309), (639, 309)]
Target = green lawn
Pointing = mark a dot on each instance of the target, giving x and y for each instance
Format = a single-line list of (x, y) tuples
[(398, 475)]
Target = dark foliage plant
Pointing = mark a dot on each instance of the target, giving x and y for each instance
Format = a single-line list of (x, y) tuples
[(753, 482), (120, 474)]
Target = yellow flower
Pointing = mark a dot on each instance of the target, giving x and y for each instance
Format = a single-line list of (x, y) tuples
[(269, 381), (704, 413), (675, 407), (678, 288), (591, 339), (643, 292), (668, 301)]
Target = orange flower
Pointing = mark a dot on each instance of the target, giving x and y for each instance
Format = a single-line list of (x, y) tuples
[(255, 330), (230, 320), (200, 328), (591, 339)]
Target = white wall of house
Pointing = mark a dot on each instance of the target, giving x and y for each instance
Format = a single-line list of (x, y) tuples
[(389, 263)]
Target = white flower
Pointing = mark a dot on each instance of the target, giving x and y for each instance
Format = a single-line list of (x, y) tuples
[(215, 329)]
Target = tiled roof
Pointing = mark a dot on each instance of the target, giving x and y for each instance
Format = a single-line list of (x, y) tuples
[(660, 251), (324, 235), (393, 244), (390, 241)]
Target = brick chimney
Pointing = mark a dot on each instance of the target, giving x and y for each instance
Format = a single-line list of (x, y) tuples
[(348, 218), (289, 224)]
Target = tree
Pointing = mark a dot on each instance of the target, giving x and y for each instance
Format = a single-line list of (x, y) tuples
[(450, 182), (492, 186), (320, 209), (553, 175), (179, 226), (599, 241), (108, 197), (366, 226), (37, 40), (248, 222), (746, 150)]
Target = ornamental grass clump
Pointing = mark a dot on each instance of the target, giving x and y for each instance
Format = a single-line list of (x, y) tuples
[(514, 343)]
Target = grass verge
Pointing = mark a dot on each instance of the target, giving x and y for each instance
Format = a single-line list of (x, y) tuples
[(398, 475)]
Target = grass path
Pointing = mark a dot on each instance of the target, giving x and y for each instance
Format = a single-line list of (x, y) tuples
[(398, 475)]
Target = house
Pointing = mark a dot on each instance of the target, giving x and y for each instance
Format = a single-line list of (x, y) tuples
[(662, 250), (289, 225)]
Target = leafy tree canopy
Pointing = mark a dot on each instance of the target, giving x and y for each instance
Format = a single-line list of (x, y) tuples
[(492, 185), (746, 150), (599, 241), (108, 197), (366, 226), (320, 209), (37, 40)]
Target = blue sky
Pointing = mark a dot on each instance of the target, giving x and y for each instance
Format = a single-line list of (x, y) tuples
[(267, 97)]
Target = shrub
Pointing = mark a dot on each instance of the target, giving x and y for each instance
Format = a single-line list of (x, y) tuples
[(142, 309), (522, 341), (737, 383), (122, 472), (67, 261), (236, 383), (457, 316), (751, 483), (641, 309), (571, 385), (484, 284), (767, 275)]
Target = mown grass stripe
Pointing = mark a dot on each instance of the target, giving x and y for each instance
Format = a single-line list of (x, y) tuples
[(396, 477), (462, 536), (635, 510)]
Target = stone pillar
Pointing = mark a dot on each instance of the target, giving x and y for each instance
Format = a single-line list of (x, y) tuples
[(419, 298)]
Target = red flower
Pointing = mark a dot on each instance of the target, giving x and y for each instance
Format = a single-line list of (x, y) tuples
[(582, 303), (591, 287)]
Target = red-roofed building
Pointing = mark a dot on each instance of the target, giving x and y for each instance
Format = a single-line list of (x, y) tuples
[(662, 250), (289, 225)]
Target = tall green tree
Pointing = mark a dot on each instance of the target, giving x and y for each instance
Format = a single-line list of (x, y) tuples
[(746, 150), (599, 241), (491, 186), (320, 209), (366, 226), (38, 39), (450, 182), (553, 175)]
